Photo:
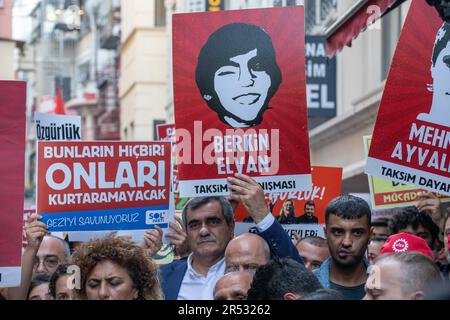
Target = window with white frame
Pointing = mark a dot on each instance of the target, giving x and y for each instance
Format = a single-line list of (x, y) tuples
[(195, 6), (319, 14)]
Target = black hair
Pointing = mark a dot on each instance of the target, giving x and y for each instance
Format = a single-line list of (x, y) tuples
[(325, 294), (227, 42), (37, 280), (348, 207), (411, 216), (441, 42), (380, 222), (309, 203), (280, 276), (195, 203), (438, 245), (59, 272), (379, 238)]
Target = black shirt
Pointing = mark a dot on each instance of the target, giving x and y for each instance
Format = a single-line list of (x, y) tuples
[(350, 293), (304, 219)]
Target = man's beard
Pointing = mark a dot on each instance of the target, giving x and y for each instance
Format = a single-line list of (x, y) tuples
[(348, 263)]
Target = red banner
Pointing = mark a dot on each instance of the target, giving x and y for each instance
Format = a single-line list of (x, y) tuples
[(12, 151), (166, 132), (240, 99), (411, 140), (94, 186), (327, 183)]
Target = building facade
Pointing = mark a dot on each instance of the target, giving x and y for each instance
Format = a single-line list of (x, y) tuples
[(71, 45), (7, 44), (361, 74), (146, 86), (143, 68)]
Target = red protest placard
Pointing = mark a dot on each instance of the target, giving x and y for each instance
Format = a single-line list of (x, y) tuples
[(411, 139), (166, 132), (94, 186), (240, 99), (327, 183), (12, 153)]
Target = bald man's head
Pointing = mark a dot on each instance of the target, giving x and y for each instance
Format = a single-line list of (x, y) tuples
[(246, 252), (233, 286)]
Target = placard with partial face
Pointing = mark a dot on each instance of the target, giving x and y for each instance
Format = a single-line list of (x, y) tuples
[(411, 140), (240, 99)]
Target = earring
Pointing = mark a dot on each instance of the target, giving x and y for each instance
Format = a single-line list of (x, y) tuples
[(207, 97)]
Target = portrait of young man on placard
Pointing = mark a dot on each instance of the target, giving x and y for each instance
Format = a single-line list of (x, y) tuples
[(415, 150), (237, 74), (240, 99), (440, 72)]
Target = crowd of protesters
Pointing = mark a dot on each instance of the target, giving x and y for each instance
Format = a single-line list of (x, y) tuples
[(401, 257)]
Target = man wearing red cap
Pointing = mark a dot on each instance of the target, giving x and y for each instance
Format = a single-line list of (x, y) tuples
[(403, 271), (401, 276), (406, 242)]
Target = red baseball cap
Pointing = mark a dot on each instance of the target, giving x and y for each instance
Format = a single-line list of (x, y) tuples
[(406, 242)]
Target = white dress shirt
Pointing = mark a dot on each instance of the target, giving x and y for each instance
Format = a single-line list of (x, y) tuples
[(196, 286)]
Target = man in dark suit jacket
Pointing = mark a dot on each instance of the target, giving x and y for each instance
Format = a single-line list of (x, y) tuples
[(209, 225)]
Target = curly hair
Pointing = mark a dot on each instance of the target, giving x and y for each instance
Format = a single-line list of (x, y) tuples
[(125, 253), (411, 216)]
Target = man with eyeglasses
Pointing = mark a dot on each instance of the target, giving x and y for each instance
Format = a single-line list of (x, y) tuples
[(52, 252), (43, 254), (47, 250)]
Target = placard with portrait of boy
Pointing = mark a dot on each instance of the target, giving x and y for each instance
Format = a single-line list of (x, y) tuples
[(240, 99)]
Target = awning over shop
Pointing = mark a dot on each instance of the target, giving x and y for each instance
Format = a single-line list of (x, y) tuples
[(355, 21)]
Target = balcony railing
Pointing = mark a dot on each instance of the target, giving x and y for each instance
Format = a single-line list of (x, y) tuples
[(109, 28), (319, 14)]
